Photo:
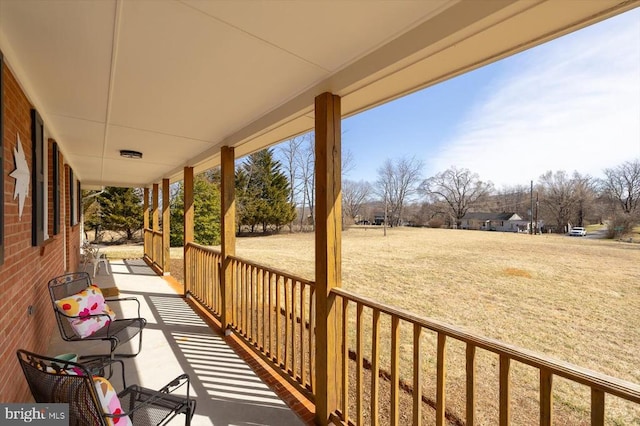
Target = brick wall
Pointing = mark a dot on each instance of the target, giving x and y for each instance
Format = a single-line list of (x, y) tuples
[(26, 269)]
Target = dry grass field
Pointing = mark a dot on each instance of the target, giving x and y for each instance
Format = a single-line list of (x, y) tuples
[(574, 299)]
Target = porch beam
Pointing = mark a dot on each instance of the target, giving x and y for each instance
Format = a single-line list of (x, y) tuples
[(145, 219), (154, 211), (228, 225), (328, 248), (155, 222), (166, 228), (188, 224), (145, 209)]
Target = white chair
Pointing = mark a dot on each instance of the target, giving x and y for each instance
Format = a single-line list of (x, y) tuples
[(91, 254)]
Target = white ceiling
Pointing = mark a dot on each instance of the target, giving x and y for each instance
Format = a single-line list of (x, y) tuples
[(177, 80)]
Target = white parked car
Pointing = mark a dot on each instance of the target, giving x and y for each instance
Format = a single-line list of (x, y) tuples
[(578, 231)]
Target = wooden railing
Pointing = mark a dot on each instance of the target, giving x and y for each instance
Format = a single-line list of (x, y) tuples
[(148, 243), (153, 247), (157, 249), (274, 311), (202, 276), (366, 337)]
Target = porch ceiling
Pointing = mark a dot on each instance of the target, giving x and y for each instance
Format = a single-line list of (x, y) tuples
[(177, 80)]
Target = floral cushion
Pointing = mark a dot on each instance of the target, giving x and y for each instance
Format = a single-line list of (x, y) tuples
[(110, 402), (89, 301)]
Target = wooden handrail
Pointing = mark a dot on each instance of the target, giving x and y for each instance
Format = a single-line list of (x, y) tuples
[(273, 270), (598, 381), (204, 248)]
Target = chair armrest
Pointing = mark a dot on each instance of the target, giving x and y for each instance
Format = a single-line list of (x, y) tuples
[(143, 397), (124, 299), (97, 364), (177, 383)]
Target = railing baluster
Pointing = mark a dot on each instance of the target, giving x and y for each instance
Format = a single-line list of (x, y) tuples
[(278, 358), (505, 391), (263, 309), (312, 342), (303, 306), (417, 375), (270, 305), (345, 360), (252, 305), (440, 381), (597, 407), (247, 303), (235, 291), (287, 326), (294, 327), (395, 370), (546, 397), (360, 363), (471, 384), (375, 366), (209, 282)]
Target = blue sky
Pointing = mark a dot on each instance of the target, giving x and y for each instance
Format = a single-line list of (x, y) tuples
[(570, 104)]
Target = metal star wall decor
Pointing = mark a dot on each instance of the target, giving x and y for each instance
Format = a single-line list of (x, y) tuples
[(22, 176)]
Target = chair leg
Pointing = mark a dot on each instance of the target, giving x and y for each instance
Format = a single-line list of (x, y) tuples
[(132, 355)]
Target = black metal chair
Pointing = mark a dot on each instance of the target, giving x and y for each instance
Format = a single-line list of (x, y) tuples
[(116, 331), (54, 381)]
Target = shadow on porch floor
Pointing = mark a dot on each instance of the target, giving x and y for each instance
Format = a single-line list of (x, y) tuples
[(176, 340)]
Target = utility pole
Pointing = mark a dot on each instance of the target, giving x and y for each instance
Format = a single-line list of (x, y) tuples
[(536, 215), (385, 213), (531, 211)]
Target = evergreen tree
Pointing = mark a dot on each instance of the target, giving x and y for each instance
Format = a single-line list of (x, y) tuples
[(206, 200), (263, 192), (121, 210)]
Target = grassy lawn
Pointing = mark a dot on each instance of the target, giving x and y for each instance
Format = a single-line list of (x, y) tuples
[(574, 299)]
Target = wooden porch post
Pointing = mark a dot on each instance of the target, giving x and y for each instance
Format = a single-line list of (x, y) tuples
[(145, 220), (328, 253), (166, 228), (228, 229), (188, 225), (155, 221)]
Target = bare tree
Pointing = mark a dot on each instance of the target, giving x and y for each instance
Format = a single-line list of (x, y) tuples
[(305, 164), (563, 199), (622, 185), (460, 189), (584, 187), (289, 151), (300, 162), (515, 199), (354, 196), (397, 181)]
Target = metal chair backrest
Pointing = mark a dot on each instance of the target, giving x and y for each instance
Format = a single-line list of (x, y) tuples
[(49, 384), (65, 286)]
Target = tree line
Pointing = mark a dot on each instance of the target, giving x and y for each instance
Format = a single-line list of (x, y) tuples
[(262, 203), (275, 188), (559, 199)]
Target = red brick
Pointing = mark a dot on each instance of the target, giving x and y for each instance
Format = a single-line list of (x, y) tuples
[(24, 273)]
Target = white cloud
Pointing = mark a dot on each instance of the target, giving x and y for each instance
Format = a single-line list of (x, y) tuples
[(572, 104)]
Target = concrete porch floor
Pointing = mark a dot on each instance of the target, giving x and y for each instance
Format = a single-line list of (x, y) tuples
[(176, 340)]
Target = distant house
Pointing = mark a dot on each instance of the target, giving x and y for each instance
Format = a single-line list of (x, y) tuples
[(505, 222), (378, 218)]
